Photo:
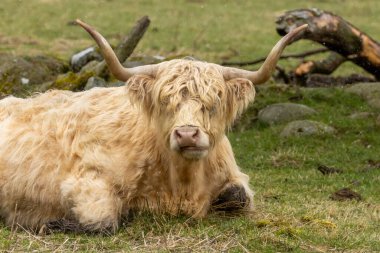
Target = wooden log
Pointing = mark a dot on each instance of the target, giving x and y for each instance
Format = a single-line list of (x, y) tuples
[(325, 66), (320, 80), (77, 81), (336, 34), (126, 46)]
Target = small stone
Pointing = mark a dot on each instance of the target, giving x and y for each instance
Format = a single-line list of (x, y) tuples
[(95, 82), (89, 67), (80, 59), (142, 60), (374, 103), (378, 121), (345, 194), (116, 84), (284, 112), (24, 81), (368, 91), (361, 115), (365, 90), (306, 128)]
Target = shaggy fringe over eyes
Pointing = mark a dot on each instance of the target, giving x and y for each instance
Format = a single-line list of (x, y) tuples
[(178, 80)]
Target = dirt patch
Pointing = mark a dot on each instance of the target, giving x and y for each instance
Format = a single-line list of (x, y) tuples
[(325, 170), (346, 194), (371, 165)]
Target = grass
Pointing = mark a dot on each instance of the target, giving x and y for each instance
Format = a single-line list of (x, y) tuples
[(293, 210)]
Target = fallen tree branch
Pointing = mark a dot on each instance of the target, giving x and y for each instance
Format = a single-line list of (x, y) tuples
[(126, 46), (320, 80), (336, 34), (285, 56), (325, 66), (77, 81)]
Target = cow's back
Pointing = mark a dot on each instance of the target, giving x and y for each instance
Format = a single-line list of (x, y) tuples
[(45, 138)]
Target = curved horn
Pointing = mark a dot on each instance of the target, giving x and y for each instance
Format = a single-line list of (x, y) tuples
[(121, 73), (265, 71)]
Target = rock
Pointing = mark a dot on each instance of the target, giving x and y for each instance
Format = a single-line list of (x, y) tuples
[(70, 81), (116, 84), (361, 115), (305, 128), (19, 75), (284, 112), (95, 81), (365, 90), (374, 103), (345, 194), (79, 60), (368, 91), (142, 60), (89, 67)]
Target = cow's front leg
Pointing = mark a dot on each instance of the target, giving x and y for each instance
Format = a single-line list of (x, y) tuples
[(234, 192), (92, 203)]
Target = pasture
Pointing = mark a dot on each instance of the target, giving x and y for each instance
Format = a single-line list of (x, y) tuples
[(294, 210)]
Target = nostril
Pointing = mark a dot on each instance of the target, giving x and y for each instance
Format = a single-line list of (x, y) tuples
[(177, 134), (196, 133)]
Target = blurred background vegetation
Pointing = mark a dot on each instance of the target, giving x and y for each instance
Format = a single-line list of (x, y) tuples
[(211, 30)]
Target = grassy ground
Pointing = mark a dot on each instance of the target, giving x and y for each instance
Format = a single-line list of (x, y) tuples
[(293, 210)]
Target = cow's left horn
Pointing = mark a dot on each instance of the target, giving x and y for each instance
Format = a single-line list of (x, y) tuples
[(114, 65), (265, 71)]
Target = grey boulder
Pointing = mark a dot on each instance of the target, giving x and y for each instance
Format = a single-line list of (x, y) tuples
[(306, 128), (284, 112)]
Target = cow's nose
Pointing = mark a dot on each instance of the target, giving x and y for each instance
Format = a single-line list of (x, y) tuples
[(187, 136)]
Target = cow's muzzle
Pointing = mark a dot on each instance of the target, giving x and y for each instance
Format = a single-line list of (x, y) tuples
[(190, 141)]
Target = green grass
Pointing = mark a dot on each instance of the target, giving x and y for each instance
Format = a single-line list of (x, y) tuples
[(211, 30), (293, 210)]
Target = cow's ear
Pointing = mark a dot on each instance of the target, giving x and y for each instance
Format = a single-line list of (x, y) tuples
[(242, 89), (139, 90), (240, 93)]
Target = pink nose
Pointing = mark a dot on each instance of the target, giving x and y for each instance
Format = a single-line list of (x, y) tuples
[(186, 136)]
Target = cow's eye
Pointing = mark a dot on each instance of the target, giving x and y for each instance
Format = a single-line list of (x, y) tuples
[(212, 111)]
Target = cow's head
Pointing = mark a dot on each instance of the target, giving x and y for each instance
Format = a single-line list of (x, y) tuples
[(191, 102)]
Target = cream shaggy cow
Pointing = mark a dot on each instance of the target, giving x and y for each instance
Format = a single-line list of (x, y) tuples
[(80, 161)]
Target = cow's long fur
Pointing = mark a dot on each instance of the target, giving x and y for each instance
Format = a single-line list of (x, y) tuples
[(91, 156)]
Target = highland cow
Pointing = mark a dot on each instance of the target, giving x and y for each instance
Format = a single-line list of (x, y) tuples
[(80, 161)]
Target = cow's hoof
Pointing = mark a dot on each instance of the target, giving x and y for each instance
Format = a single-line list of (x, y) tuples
[(62, 226), (233, 198), (71, 226)]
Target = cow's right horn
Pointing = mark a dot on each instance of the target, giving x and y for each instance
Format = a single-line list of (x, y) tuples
[(121, 73), (265, 71)]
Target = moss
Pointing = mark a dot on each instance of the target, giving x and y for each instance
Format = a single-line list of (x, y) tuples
[(289, 231), (34, 70), (263, 223), (71, 81), (6, 87), (320, 222)]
